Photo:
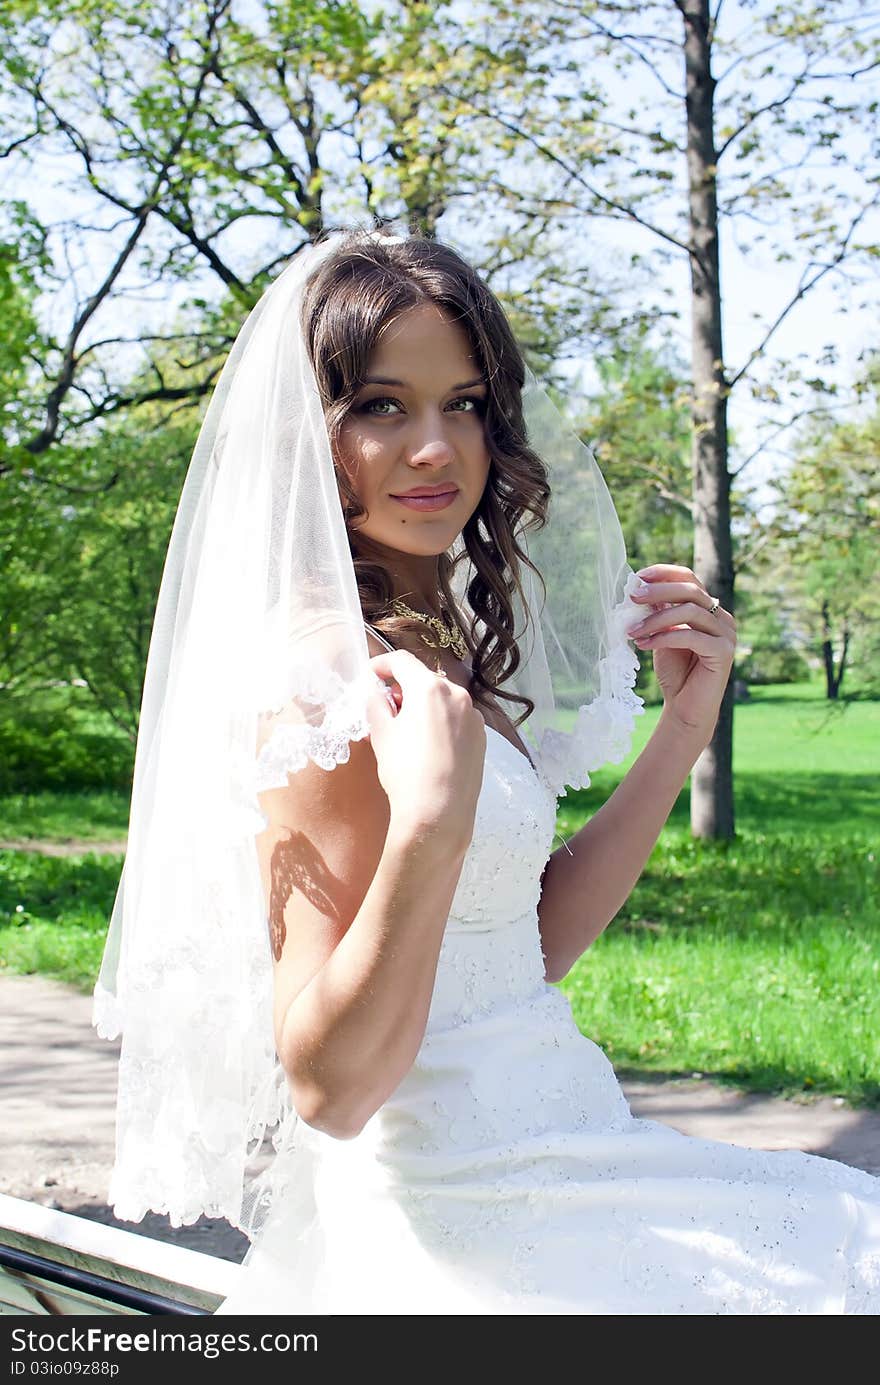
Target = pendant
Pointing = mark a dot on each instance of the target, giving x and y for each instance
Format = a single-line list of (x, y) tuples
[(448, 637)]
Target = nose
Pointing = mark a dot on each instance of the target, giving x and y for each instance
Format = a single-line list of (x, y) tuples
[(434, 451), (429, 443)]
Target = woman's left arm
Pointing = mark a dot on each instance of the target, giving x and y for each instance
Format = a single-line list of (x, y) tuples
[(587, 882)]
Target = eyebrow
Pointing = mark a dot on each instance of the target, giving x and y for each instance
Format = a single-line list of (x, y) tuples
[(402, 385)]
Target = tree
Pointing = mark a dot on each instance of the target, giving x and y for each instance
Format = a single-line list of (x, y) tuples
[(211, 141), (25, 588), (201, 145), (83, 536), (677, 120), (826, 550), (171, 149), (113, 553), (637, 423), (176, 127)]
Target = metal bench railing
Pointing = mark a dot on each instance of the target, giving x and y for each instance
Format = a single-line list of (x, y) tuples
[(52, 1263)]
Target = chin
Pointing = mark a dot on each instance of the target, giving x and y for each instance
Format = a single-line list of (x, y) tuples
[(423, 549), (418, 540)]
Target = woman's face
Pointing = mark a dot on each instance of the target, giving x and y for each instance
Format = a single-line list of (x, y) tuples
[(417, 423)]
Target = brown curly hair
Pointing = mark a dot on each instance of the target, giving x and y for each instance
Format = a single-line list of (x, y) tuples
[(367, 281)]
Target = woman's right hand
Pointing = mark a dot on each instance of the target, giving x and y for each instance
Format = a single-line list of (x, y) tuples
[(429, 754)]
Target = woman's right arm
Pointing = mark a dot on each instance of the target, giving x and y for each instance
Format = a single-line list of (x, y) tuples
[(360, 865)]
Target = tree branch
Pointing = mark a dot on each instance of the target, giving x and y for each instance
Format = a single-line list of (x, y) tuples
[(111, 404), (261, 128), (64, 380), (47, 433), (780, 428), (804, 288), (762, 110), (620, 208), (68, 488)]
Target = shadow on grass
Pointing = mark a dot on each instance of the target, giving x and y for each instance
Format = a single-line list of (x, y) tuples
[(837, 802), (806, 695)]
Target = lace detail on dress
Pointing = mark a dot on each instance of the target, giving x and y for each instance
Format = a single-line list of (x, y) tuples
[(514, 824)]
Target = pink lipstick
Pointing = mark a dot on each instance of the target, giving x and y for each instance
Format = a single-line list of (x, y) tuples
[(427, 498)]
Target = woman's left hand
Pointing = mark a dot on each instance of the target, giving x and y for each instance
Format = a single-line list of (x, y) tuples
[(693, 649)]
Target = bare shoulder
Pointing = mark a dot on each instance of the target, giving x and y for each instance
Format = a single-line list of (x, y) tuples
[(318, 856)]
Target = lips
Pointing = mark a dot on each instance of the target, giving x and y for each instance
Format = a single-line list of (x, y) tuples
[(427, 498), (426, 490)]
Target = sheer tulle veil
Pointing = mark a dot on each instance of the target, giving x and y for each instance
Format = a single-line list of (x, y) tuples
[(258, 664)]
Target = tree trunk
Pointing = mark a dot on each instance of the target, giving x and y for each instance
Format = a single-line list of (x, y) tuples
[(841, 668), (712, 777), (832, 680)]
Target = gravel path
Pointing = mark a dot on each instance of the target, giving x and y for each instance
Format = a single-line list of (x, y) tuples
[(57, 1088)]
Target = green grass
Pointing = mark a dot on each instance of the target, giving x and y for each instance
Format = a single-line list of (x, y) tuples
[(54, 912), (757, 961), (96, 816), (799, 763), (759, 964)]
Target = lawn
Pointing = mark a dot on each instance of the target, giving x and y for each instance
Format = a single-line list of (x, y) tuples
[(756, 961)]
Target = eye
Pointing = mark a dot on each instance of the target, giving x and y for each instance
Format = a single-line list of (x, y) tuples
[(472, 404), (375, 406)]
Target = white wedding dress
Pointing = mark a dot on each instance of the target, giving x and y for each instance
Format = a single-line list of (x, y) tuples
[(506, 1173)]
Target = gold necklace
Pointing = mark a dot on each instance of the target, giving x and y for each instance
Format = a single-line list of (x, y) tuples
[(448, 636)]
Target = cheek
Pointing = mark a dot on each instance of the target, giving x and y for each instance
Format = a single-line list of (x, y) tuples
[(348, 467), (482, 460), (360, 454), (476, 442)]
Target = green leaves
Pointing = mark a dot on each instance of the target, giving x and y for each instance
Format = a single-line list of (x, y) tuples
[(822, 546)]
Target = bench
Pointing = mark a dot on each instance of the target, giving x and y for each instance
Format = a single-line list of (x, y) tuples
[(53, 1263)]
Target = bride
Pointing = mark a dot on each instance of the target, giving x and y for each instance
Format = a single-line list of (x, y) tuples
[(446, 1141)]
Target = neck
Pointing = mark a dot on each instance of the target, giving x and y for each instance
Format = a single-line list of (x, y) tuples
[(416, 582), (415, 579)]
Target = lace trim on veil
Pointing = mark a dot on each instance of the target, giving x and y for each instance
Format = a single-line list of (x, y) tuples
[(603, 729)]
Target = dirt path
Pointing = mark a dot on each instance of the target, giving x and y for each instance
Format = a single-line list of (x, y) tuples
[(57, 1090)]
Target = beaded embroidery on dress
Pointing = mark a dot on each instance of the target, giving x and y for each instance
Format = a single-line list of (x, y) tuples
[(506, 1174)]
